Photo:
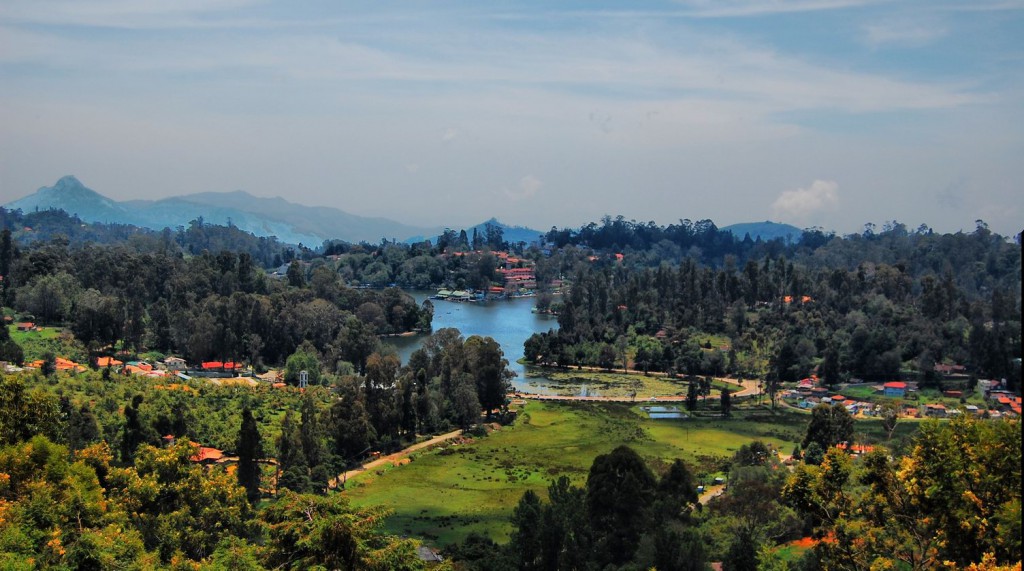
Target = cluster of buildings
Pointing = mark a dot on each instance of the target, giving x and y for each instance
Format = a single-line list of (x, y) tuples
[(1002, 403), (170, 368), (516, 279)]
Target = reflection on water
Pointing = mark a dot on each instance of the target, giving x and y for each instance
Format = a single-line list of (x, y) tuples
[(664, 412), (509, 322)]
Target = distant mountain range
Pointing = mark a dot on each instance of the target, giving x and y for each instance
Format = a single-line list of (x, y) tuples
[(765, 230), (291, 223)]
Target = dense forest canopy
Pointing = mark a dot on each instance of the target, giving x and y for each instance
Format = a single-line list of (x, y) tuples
[(101, 469)]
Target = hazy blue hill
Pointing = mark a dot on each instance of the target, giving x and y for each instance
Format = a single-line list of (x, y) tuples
[(322, 222), (766, 230), (289, 222), (70, 195), (510, 234)]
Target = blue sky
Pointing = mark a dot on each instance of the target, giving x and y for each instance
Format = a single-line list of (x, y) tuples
[(827, 113)]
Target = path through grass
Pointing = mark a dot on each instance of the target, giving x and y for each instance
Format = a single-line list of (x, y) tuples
[(442, 495)]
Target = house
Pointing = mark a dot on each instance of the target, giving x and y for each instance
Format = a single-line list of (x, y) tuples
[(428, 554), (63, 364), (26, 326), (108, 362), (175, 364), (952, 394), (895, 389), (206, 455), (856, 449), (935, 410), (947, 370), (167, 440)]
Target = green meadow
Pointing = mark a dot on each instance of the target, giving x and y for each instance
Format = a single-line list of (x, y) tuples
[(445, 493)]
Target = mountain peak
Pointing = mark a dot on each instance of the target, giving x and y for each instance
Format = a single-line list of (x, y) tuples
[(68, 182)]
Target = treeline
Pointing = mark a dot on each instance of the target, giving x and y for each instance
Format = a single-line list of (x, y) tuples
[(83, 511), (625, 517), (48, 225), (209, 306), (88, 478), (448, 384), (782, 319), (87, 482)]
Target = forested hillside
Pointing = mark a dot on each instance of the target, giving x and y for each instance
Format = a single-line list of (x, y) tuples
[(873, 306)]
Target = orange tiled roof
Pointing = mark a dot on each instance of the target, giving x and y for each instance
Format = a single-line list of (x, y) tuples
[(204, 453)]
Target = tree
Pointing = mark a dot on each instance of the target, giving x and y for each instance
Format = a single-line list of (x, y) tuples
[(829, 425), (303, 359), (565, 534), (953, 500), (488, 365), (296, 276), (620, 489), (291, 461), (676, 491), (526, 539), (325, 532), (311, 432), (349, 425), (249, 448), (726, 402), (830, 366), (890, 413), (26, 413), (133, 433)]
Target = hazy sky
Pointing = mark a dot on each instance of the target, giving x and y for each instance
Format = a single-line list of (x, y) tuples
[(812, 112)]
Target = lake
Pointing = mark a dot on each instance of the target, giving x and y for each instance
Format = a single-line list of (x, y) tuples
[(509, 322)]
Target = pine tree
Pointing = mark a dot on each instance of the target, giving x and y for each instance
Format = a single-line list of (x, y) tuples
[(291, 460), (250, 451)]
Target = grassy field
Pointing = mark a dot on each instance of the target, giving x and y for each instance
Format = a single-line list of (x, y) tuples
[(37, 343), (444, 494), (622, 385), (618, 385)]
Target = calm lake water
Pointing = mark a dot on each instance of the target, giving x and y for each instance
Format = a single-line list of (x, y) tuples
[(509, 322)]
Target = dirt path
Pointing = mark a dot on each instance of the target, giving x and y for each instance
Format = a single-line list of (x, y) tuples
[(392, 458), (711, 492)]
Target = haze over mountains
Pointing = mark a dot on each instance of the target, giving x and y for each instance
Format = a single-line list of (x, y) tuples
[(289, 222)]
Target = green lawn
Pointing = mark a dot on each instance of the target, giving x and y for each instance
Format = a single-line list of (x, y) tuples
[(45, 340), (619, 385), (442, 495)]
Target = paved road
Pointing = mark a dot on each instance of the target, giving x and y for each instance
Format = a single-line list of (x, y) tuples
[(392, 458)]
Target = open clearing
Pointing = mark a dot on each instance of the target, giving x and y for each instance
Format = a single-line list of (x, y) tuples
[(444, 494)]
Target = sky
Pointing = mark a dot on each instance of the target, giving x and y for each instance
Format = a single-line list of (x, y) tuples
[(816, 113)]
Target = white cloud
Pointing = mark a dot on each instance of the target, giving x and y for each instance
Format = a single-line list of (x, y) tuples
[(800, 203), (528, 186), (902, 34), (745, 8), (449, 135)]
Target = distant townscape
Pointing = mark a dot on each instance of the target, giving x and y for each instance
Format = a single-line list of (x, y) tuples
[(192, 394)]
